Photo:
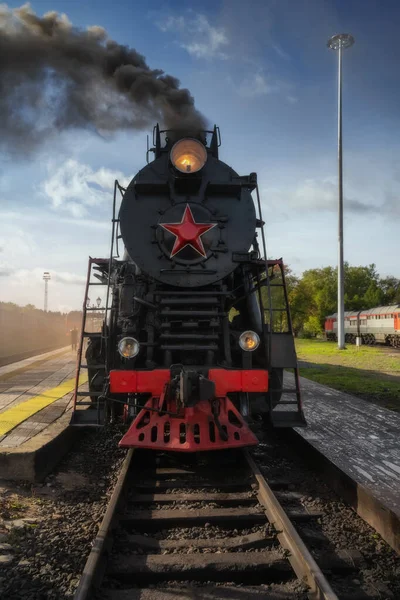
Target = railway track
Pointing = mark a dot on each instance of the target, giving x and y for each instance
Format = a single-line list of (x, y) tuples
[(167, 528)]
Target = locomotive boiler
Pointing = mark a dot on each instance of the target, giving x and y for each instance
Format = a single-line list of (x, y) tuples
[(189, 349)]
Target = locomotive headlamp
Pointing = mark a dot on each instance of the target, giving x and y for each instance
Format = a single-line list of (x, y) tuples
[(249, 341), (188, 155), (128, 347)]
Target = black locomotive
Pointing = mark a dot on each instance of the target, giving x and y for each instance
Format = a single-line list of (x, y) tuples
[(189, 345)]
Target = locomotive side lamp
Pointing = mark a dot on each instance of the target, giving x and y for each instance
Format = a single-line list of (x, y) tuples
[(188, 155), (128, 347), (249, 341)]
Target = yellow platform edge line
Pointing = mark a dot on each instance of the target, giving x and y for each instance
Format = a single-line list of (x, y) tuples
[(16, 415)]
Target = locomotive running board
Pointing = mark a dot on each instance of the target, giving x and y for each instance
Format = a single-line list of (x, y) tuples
[(194, 431)]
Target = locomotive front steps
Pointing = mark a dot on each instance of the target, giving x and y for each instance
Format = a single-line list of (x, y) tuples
[(285, 418), (89, 417)]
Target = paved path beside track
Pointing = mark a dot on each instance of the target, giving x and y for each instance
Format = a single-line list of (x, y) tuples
[(33, 361), (360, 443)]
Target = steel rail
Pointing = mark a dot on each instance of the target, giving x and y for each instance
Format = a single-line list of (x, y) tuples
[(300, 557), (94, 560)]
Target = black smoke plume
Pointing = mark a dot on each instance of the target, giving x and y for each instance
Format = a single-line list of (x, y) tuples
[(55, 77)]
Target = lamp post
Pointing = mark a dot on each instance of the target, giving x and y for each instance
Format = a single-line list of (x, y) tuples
[(46, 279), (98, 302), (340, 42)]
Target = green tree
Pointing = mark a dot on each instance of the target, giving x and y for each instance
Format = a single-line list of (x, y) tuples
[(390, 287), (315, 294), (361, 286), (312, 327), (373, 296)]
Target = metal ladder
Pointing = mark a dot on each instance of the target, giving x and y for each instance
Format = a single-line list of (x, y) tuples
[(80, 416), (279, 343)]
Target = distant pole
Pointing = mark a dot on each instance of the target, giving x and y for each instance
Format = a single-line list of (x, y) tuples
[(339, 42), (46, 277)]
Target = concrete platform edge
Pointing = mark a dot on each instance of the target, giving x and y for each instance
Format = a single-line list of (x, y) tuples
[(36, 458), (360, 498)]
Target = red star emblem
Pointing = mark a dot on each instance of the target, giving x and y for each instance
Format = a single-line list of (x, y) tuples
[(188, 233)]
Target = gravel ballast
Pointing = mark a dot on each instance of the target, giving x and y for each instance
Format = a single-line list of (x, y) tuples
[(48, 528), (46, 531), (339, 530)]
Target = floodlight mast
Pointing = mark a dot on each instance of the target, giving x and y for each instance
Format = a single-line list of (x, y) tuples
[(46, 278), (340, 42)]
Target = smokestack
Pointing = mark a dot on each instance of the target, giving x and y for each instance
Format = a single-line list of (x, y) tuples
[(55, 77)]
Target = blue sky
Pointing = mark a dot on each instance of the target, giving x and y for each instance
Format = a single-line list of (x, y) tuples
[(262, 72)]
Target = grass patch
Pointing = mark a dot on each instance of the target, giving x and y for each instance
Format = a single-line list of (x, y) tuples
[(370, 373), (384, 359)]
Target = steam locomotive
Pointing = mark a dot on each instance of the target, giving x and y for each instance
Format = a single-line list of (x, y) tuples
[(189, 350)]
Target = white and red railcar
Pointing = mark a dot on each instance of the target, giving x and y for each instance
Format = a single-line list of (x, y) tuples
[(380, 324)]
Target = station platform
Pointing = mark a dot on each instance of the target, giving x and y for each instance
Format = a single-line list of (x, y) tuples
[(358, 444), (34, 396)]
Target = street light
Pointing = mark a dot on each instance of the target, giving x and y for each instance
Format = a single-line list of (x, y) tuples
[(98, 302), (340, 42), (88, 302), (46, 278)]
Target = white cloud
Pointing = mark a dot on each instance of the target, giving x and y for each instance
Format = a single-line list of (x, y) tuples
[(323, 195), (4, 270), (391, 203), (256, 85), (199, 38), (25, 286), (172, 24), (280, 52), (74, 186), (316, 193), (260, 84), (16, 243), (33, 242), (43, 217), (71, 278), (319, 195), (204, 40), (21, 276)]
